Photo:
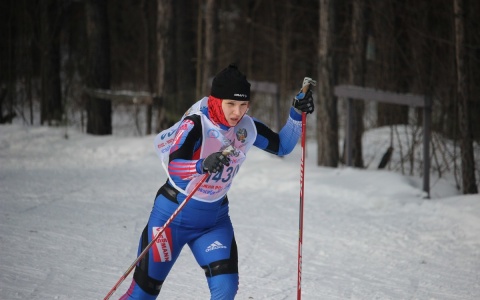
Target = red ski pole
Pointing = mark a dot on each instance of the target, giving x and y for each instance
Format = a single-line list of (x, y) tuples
[(306, 85), (147, 248), (300, 223)]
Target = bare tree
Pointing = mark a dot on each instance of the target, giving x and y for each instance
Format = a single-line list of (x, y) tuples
[(51, 98), (356, 75), (209, 45), (327, 119), (199, 54), (150, 13), (8, 56), (391, 65), (285, 35), (164, 15), (99, 111), (466, 141), (180, 65)]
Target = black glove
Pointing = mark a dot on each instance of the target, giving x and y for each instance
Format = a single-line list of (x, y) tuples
[(304, 102), (214, 162)]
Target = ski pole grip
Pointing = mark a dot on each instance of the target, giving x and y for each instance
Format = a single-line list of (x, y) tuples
[(228, 151), (307, 82)]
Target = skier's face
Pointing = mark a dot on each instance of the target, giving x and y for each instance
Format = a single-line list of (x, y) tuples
[(234, 110)]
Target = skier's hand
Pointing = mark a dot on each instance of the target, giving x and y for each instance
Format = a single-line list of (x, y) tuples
[(214, 162), (304, 102)]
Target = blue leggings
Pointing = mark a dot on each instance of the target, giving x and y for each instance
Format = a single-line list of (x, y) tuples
[(206, 228)]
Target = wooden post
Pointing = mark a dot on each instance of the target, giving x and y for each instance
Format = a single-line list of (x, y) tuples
[(349, 133), (427, 132)]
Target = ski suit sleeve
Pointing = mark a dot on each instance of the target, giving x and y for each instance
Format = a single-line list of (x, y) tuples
[(184, 159), (283, 142)]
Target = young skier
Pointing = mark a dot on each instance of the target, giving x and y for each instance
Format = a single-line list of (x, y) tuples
[(191, 148)]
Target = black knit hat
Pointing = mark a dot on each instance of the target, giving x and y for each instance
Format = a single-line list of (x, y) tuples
[(230, 83)]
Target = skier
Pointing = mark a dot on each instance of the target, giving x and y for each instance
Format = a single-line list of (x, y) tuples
[(195, 148)]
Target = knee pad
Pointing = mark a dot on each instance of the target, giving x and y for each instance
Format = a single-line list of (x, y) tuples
[(148, 284), (224, 266)]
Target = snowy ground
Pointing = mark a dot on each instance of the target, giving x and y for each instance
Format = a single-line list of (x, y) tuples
[(71, 213)]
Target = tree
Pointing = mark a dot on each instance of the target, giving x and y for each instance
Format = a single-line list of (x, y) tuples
[(99, 111), (392, 64), (466, 141), (180, 65), (208, 46), (327, 119), (7, 60), (162, 29), (51, 99), (356, 75), (150, 12)]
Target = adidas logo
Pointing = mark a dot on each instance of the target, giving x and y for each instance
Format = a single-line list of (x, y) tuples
[(216, 245)]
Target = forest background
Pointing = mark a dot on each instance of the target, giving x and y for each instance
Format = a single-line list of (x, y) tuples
[(76, 61)]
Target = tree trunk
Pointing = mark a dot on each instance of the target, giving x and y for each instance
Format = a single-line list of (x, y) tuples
[(199, 54), (209, 45), (51, 97), (99, 111), (327, 119), (285, 39), (8, 57), (357, 76), (392, 45), (150, 13), (164, 15), (466, 141), (180, 86)]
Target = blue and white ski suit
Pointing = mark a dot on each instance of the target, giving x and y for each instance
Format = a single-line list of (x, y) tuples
[(204, 223)]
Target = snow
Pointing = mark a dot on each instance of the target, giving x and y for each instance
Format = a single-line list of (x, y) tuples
[(72, 210)]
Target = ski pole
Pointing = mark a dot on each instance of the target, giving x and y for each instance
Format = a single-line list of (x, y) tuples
[(162, 229), (229, 150), (306, 85)]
